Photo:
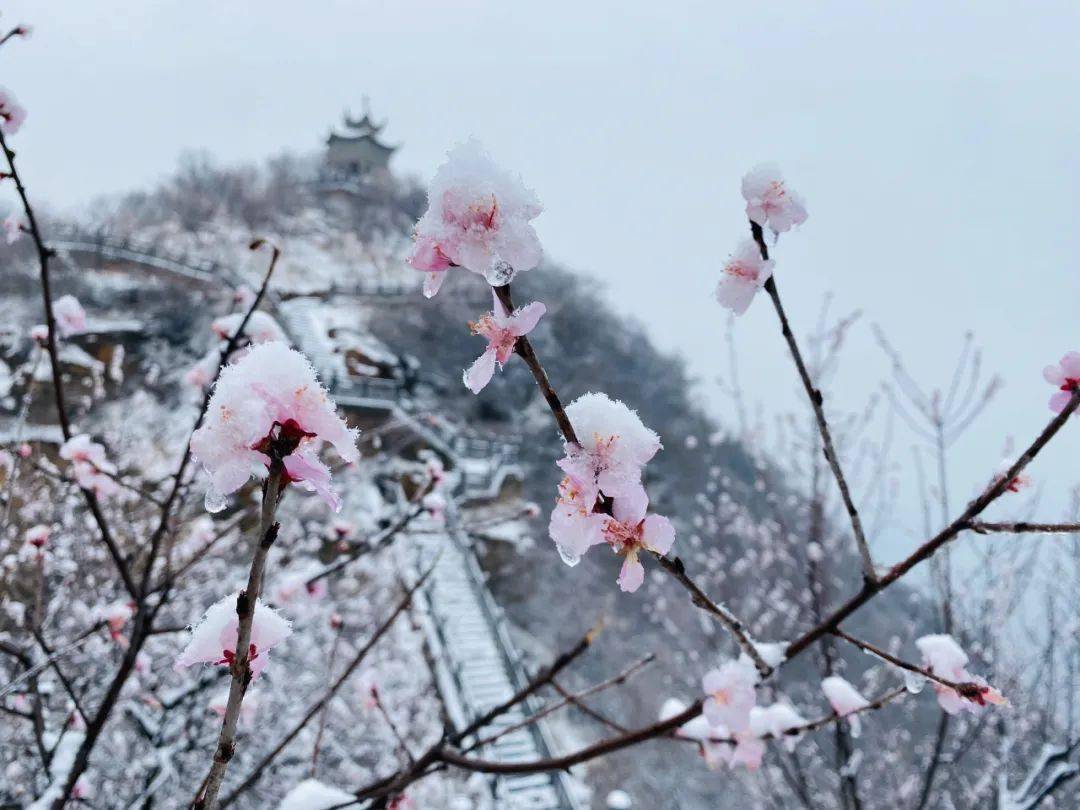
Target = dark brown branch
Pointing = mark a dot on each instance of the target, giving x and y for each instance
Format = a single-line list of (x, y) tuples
[(1021, 527), (44, 254), (240, 668), (357, 659), (816, 400), (877, 652), (525, 351), (675, 568), (615, 680)]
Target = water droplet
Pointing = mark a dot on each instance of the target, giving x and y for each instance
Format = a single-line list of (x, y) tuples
[(567, 557), (499, 273), (214, 500), (913, 681)]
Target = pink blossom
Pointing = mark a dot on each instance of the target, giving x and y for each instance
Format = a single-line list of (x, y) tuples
[(343, 529), (1065, 375), (769, 202), (435, 504), (116, 615), (201, 374), (730, 694), (501, 331), (574, 526), (70, 315), (1018, 483), (845, 700), (213, 640), (478, 217), (614, 446), (92, 469), (39, 333), (296, 585), (271, 400), (261, 327), (15, 225), (38, 536), (249, 708), (744, 274), (83, 788), (629, 532), (943, 657), (243, 297), (12, 114)]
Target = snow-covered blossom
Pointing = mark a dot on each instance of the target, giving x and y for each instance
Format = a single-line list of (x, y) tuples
[(776, 720), (70, 315), (744, 274), (12, 114), (435, 505), (845, 700), (202, 373), (730, 694), (1066, 376), (116, 615), (501, 331), (629, 532), (769, 202), (296, 585), (83, 788), (312, 794), (614, 446), (15, 225), (248, 709), (93, 471), (213, 640), (478, 217), (260, 328), (37, 536), (943, 657), (270, 401)]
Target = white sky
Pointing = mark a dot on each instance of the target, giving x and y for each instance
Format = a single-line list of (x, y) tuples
[(936, 146)]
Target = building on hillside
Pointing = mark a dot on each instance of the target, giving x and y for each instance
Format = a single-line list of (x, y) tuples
[(359, 151)]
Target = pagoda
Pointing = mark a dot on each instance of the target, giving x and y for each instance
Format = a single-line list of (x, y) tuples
[(359, 151)]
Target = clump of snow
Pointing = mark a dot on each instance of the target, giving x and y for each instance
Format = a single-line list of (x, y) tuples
[(845, 700), (478, 217), (943, 657), (311, 794), (213, 640), (271, 395)]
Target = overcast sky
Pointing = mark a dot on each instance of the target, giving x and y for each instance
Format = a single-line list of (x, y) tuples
[(936, 146)]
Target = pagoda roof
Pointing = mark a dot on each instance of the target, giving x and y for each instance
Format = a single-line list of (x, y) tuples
[(367, 136)]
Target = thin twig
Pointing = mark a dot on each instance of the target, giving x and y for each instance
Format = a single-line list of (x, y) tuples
[(927, 549), (816, 399)]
